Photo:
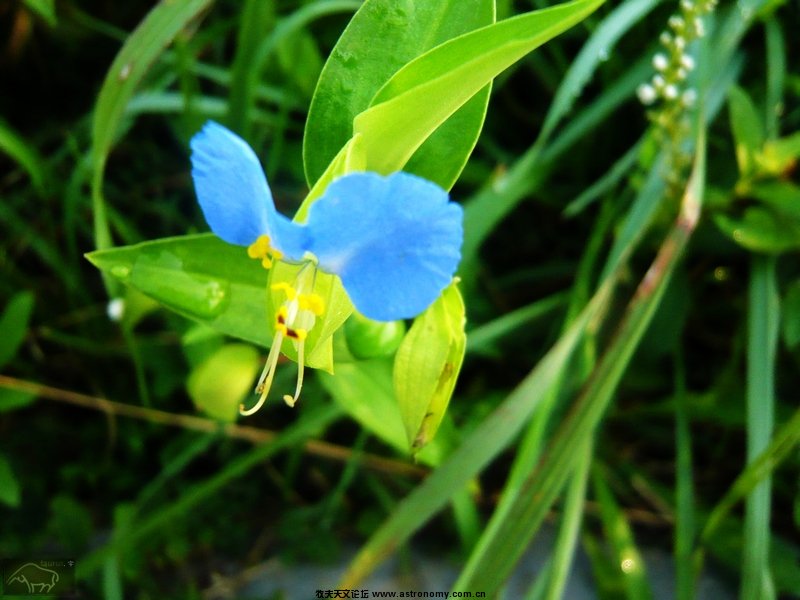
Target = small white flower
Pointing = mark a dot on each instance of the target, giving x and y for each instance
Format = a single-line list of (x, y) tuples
[(660, 62), (647, 94), (658, 82), (665, 38), (676, 22), (116, 309), (688, 98), (687, 62), (670, 92), (699, 28), (681, 74), (687, 5), (680, 43)]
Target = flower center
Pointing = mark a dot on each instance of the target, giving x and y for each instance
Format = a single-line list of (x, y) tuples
[(293, 320)]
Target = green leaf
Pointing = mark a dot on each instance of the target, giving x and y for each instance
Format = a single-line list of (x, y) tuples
[(14, 325), (214, 283), (382, 37), (131, 64), (427, 365), (424, 93), (780, 196), (10, 493), (257, 20), (780, 155), (490, 437), (45, 9), (364, 390), (596, 50), (198, 276), (509, 533), (220, 383), (12, 144), (761, 230), (791, 316), (748, 132)]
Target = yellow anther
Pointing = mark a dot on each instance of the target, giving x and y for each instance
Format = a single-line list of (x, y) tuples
[(299, 334), (312, 302), (261, 249), (287, 289)]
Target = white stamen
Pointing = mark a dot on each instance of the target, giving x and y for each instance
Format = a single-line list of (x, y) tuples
[(265, 381), (300, 368)]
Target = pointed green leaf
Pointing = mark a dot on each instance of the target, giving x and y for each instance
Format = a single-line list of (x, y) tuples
[(204, 279), (424, 93), (383, 36), (748, 133), (364, 390), (761, 230), (427, 365)]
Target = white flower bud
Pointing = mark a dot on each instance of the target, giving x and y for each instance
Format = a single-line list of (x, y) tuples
[(658, 82), (660, 62), (676, 22), (670, 92), (687, 62), (647, 94), (699, 28), (680, 43), (665, 38)]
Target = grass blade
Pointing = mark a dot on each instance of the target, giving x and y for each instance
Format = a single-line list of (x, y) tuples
[(491, 437), (506, 539), (762, 343)]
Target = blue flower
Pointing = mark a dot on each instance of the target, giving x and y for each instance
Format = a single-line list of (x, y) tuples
[(393, 241)]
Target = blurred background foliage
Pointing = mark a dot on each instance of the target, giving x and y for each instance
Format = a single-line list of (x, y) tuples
[(107, 453)]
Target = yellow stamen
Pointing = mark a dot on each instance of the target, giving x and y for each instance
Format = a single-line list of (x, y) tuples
[(286, 288), (298, 334), (312, 302), (262, 249), (259, 248)]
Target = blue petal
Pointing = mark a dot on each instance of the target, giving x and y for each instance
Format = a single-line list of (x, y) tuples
[(394, 241), (234, 194)]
